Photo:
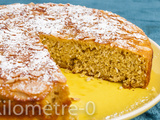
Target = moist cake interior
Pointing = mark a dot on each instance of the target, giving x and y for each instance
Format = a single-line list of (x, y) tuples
[(101, 61)]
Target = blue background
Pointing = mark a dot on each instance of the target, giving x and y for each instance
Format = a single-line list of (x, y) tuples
[(143, 13)]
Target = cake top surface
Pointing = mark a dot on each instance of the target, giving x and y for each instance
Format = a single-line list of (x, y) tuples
[(24, 60), (73, 22)]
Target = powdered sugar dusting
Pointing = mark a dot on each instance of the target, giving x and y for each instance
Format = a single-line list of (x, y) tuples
[(21, 53)]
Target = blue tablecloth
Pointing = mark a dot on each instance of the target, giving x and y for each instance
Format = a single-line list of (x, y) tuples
[(143, 13)]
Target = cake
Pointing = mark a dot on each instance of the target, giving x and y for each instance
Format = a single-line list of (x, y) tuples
[(36, 37)]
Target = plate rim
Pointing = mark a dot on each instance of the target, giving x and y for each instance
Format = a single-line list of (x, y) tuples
[(145, 107)]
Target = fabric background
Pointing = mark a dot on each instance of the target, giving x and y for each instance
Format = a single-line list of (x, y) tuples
[(143, 13)]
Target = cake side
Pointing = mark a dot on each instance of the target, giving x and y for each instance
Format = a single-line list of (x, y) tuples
[(99, 60), (38, 109)]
